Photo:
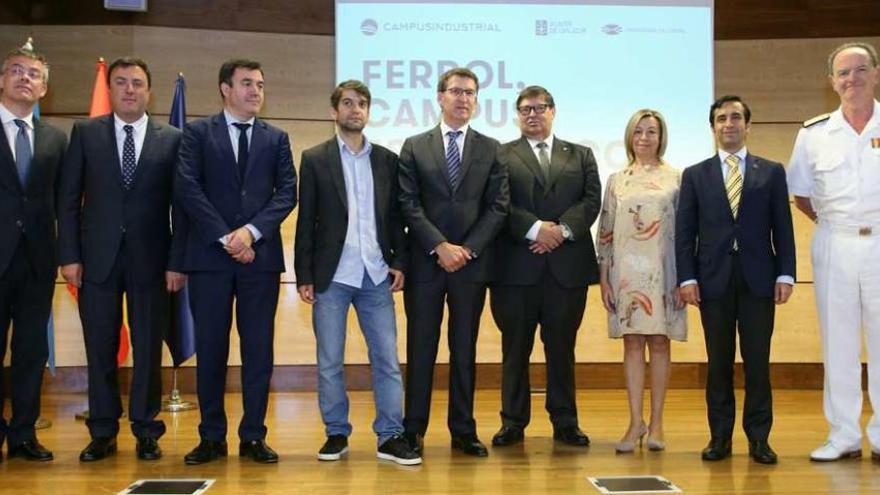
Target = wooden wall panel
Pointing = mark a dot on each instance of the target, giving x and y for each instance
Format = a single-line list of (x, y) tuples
[(784, 81), (734, 19), (299, 69)]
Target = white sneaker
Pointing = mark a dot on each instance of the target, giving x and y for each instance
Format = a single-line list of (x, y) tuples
[(828, 453)]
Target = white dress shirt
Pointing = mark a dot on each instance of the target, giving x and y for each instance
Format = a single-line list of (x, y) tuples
[(10, 128), (459, 141), (138, 134)]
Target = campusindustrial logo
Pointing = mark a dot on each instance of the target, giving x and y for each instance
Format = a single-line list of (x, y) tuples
[(369, 27)]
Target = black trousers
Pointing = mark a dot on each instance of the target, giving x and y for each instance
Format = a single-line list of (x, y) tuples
[(518, 310), (424, 302), (255, 298), (738, 310), (100, 309), (25, 301)]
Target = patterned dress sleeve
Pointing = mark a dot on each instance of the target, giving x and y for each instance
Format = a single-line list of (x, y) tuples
[(605, 246)]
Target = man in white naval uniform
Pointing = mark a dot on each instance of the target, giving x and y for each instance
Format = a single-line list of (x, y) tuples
[(834, 175)]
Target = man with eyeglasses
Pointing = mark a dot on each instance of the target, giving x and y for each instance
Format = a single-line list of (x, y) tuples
[(834, 175), (454, 197), (546, 260), (31, 154)]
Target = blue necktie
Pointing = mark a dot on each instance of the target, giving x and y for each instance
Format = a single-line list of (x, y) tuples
[(129, 161), (453, 159), (23, 155), (242, 149)]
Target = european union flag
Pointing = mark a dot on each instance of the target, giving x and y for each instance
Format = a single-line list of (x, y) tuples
[(180, 336)]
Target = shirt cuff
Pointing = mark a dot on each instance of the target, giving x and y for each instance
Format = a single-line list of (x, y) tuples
[(254, 232), (691, 281), (224, 240), (532, 234), (785, 279)]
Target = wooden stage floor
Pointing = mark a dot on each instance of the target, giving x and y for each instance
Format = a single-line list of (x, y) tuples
[(536, 467)]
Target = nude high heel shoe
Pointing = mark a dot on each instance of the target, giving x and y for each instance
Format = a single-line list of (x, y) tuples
[(628, 446), (655, 445)]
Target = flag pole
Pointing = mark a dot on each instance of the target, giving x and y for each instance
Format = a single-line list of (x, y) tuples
[(181, 315), (175, 403)]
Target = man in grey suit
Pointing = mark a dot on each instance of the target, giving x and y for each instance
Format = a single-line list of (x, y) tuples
[(546, 261), (454, 197), (116, 238), (31, 153)]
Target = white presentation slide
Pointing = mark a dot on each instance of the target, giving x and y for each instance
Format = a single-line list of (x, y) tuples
[(601, 61)]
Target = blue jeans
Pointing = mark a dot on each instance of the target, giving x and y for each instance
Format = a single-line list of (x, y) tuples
[(375, 311)]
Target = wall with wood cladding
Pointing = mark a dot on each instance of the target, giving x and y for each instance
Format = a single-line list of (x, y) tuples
[(782, 79), (734, 19)]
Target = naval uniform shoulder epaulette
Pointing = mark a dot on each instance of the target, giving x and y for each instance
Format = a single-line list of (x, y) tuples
[(817, 119)]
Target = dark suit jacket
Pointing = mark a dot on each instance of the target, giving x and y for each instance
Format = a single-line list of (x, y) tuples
[(322, 221), (570, 195), (29, 212), (96, 213), (217, 202), (470, 216), (705, 228)]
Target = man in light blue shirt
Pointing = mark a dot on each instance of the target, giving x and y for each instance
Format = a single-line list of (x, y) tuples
[(350, 250)]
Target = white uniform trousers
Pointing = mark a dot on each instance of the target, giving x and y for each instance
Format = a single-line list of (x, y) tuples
[(846, 270)]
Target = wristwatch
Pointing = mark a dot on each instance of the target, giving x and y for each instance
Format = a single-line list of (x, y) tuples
[(566, 232)]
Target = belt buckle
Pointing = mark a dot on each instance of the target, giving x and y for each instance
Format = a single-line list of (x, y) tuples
[(863, 231)]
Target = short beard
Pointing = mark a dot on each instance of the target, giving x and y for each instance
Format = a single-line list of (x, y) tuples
[(351, 127)]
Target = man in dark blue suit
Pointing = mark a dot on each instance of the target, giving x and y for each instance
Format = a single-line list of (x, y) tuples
[(31, 154), (115, 238), (735, 258), (236, 182)]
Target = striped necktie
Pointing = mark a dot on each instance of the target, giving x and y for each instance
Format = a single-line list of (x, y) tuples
[(453, 158), (734, 183)]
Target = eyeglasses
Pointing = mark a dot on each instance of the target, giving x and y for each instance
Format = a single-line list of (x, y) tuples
[(456, 92), (19, 70), (525, 110)]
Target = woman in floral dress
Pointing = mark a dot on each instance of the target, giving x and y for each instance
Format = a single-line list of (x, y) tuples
[(636, 252)]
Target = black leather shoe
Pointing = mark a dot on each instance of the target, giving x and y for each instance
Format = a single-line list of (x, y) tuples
[(508, 435), (571, 435), (98, 449), (718, 449), (416, 441), (206, 451), (470, 445), (258, 451), (148, 449), (31, 450), (761, 452)]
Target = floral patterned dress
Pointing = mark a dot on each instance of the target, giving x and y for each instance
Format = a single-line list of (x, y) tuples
[(637, 242)]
